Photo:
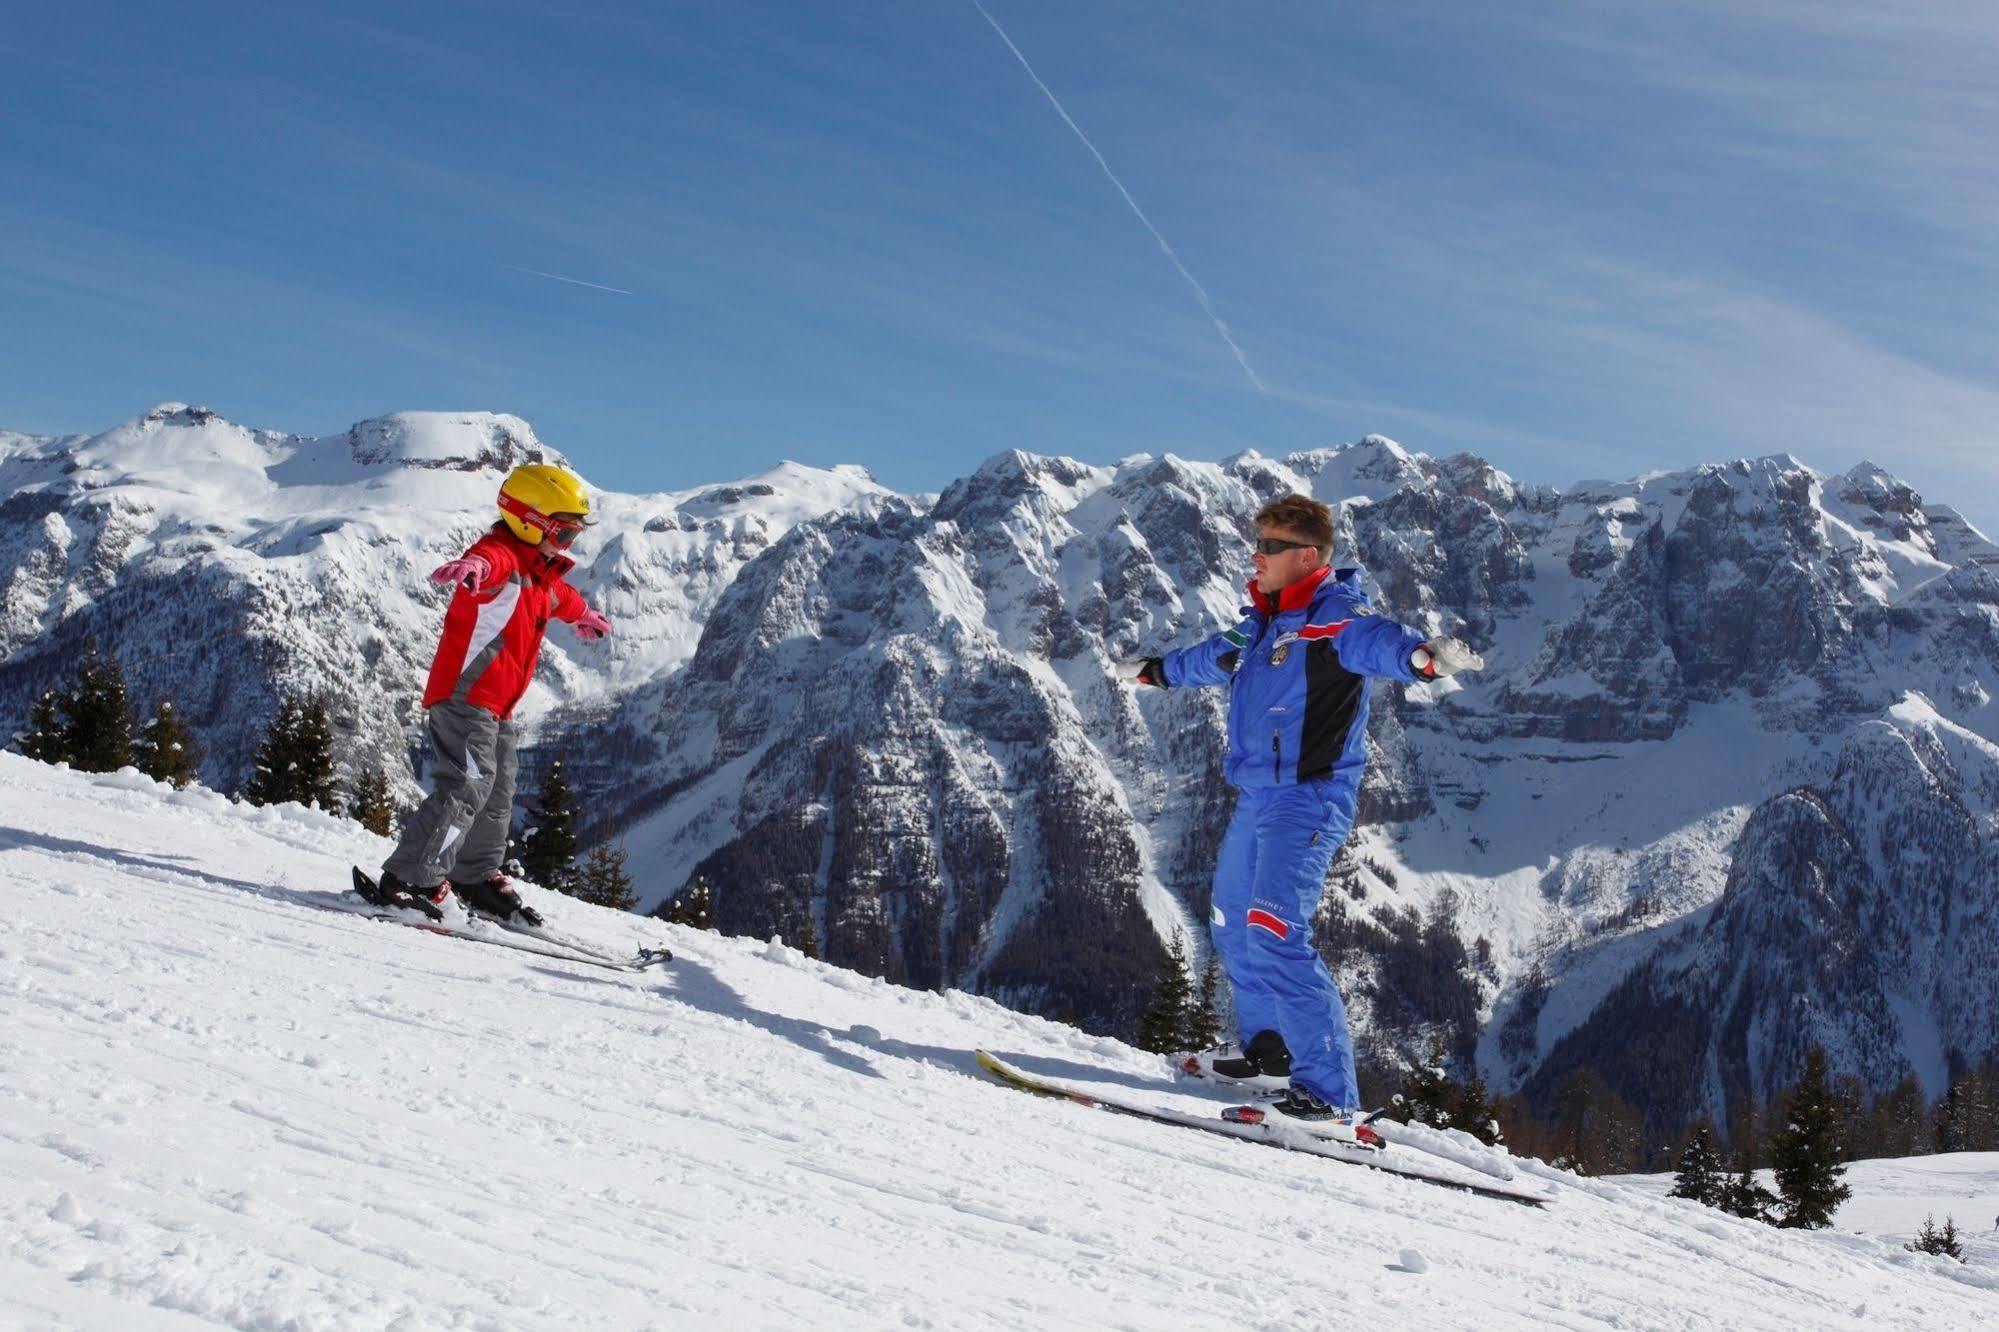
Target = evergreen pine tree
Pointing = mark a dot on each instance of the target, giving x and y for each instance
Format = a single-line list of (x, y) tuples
[(165, 749), (270, 778), (1427, 1095), (1898, 1121), (47, 739), (1164, 1023), (1950, 1117), (548, 848), (1596, 1131), (1740, 1195), (371, 805), (1476, 1113), (315, 778), (1204, 1019), (295, 760), (1981, 1118), (1807, 1152), (1699, 1176), (603, 879), (1941, 1242), (807, 939), (98, 735), (692, 906)]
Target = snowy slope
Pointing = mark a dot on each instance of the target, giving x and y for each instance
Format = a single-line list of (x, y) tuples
[(219, 1106), (1892, 1197)]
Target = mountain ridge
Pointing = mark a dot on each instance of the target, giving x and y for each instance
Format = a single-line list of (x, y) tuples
[(892, 716)]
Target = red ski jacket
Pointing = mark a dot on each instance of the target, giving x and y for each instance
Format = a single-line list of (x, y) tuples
[(492, 637)]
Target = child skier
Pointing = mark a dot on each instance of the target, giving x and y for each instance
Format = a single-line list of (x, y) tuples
[(1297, 667), (508, 586)]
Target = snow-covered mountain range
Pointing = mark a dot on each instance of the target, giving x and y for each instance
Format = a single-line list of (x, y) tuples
[(1725, 789)]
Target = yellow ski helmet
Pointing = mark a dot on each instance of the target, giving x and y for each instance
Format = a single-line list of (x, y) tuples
[(539, 501)]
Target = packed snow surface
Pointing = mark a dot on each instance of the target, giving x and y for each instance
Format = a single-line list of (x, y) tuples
[(219, 1105)]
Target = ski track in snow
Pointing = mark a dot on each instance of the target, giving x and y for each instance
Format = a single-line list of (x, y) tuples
[(220, 1107)]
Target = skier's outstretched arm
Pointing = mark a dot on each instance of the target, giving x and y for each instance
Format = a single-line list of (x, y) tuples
[(1377, 645), (1206, 663)]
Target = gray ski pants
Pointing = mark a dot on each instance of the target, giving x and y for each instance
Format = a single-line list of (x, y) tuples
[(459, 832)]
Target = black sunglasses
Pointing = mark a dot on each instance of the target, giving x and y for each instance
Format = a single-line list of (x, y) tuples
[(1277, 545)]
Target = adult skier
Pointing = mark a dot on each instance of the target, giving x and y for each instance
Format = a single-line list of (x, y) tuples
[(1297, 667), (508, 586)]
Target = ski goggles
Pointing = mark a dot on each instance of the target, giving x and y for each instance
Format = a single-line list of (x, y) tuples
[(558, 529), (1278, 545)]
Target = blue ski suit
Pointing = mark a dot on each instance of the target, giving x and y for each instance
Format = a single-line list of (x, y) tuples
[(1297, 669)]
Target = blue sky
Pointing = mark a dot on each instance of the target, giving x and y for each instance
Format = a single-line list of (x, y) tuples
[(1582, 241)]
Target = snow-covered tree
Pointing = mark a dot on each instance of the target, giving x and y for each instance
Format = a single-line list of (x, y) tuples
[(97, 730), (1426, 1095), (165, 749), (295, 760), (693, 906), (1699, 1175), (1162, 1028), (1430, 1095), (1807, 1152), (548, 847), (47, 739)]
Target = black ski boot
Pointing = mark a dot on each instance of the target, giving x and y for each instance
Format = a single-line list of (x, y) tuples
[(394, 893), (496, 897), (1264, 1062), (1312, 1112)]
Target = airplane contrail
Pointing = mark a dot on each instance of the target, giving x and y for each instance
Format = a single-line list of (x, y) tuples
[(1200, 292), (574, 282)]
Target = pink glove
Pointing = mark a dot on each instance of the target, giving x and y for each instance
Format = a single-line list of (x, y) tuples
[(591, 626), (469, 571)]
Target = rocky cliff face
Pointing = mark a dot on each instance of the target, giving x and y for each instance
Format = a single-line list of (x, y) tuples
[(1730, 749)]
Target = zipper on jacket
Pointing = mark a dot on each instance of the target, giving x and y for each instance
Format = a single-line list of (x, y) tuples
[(1276, 756)]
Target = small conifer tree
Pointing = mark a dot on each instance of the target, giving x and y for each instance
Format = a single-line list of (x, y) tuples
[(165, 749), (370, 804), (603, 879), (1430, 1095), (1163, 1025), (1740, 1195), (1953, 1112), (47, 738), (98, 731), (548, 847), (1807, 1152), (807, 939), (1204, 1019), (295, 760), (692, 906), (1427, 1096), (1476, 1114), (1943, 1242), (1699, 1176)]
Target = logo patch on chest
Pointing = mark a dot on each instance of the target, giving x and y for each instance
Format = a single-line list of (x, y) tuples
[(1281, 648)]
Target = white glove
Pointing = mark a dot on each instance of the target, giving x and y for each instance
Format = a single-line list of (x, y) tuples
[(1445, 656), (1141, 670)]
